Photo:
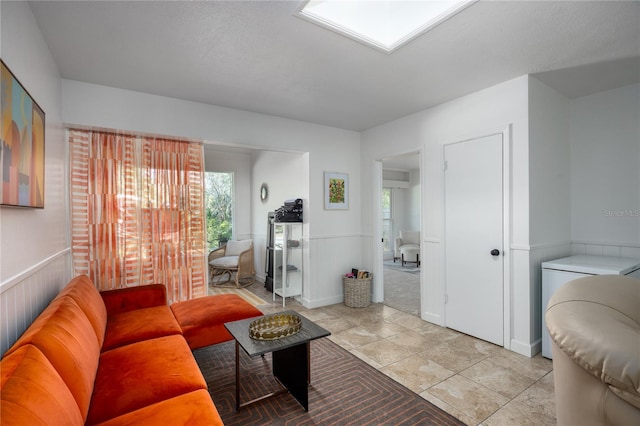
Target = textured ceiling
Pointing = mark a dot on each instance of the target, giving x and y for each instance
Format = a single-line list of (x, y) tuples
[(257, 56)]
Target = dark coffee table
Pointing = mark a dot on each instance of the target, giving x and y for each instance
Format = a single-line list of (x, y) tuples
[(290, 356)]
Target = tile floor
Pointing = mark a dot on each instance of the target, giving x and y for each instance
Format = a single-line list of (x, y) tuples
[(476, 381)]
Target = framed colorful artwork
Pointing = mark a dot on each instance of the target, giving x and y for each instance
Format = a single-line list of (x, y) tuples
[(336, 191), (21, 146)]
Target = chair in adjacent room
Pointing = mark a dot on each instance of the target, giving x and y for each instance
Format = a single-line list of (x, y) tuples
[(235, 259), (407, 247)]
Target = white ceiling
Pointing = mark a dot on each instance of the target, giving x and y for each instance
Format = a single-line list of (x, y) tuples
[(257, 56)]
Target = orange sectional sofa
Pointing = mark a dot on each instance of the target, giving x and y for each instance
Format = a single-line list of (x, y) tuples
[(114, 358)]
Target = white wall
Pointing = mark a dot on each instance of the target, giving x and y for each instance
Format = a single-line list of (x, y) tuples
[(334, 236), (488, 111), (549, 189), (605, 165), (34, 245), (282, 172)]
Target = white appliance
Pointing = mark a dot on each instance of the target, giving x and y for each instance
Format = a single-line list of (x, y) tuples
[(557, 272)]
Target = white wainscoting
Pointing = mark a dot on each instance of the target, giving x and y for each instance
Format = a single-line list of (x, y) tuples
[(24, 296), (331, 256), (599, 249)]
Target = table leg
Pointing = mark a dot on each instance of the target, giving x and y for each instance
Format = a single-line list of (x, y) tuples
[(291, 368), (308, 363), (237, 376)]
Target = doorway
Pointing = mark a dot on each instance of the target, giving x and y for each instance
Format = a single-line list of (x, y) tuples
[(474, 237), (401, 212)]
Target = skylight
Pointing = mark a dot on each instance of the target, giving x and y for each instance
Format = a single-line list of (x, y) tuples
[(383, 25)]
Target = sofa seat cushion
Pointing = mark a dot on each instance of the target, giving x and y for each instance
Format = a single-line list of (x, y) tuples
[(202, 320), (595, 322), (193, 408), (32, 392), (133, 376), (225, 262), (141, 324), (410, 246)]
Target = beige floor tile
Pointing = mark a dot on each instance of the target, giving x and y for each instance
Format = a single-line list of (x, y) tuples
[(547, 381), (417, 373), (499, 379), (383, 329), (383, 352), (456, 354), (539, 398), (316, 315), (335, 325), (455, 412), (436, 334), (406, 320), (516, 413), (355, 337), (469, 397), (412, 341), (535, 367)]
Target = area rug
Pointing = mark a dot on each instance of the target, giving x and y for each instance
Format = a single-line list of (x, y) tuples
[(410, 268), (344, 390)]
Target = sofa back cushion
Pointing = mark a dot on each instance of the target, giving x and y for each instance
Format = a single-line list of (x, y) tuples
[(32, 392), (234, 248), (82, 290), (68, 340)]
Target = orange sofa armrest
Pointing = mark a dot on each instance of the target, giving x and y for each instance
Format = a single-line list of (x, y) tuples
[(132, 298)]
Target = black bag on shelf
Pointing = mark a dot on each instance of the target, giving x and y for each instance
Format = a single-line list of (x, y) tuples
[(291, 211)]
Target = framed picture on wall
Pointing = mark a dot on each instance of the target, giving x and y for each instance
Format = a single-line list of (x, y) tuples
[(336, 191), (21, 146)]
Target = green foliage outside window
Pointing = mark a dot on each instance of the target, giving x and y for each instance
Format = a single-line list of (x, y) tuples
[(218, 208)]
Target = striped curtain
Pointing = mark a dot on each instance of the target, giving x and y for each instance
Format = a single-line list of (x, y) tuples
[(137, 212)]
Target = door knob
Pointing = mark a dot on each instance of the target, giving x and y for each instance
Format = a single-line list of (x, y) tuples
[(495, 252)]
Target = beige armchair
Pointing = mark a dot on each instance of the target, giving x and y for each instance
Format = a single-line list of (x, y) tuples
[(594, 324), (407, 247), (235, 259)]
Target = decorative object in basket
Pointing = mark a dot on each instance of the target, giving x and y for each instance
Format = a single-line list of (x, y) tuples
[(275, 326)]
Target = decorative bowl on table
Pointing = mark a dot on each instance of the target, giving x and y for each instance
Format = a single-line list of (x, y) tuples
[(274, 326)]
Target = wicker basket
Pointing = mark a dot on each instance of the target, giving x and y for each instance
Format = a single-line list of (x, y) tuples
[(357, 292)]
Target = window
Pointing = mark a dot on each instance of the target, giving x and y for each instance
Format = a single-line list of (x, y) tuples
[(387, 222), (218, 201)]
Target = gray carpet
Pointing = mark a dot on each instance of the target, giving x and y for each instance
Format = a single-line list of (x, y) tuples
[(402, 290)]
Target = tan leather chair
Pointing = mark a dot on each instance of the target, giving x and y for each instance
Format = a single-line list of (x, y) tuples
[(594, 323)]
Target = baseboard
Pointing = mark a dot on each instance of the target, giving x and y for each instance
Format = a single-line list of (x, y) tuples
[(525, 349), (318, 303), (433, 318)]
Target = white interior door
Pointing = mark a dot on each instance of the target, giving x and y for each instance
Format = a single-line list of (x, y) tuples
[(474, 237)]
